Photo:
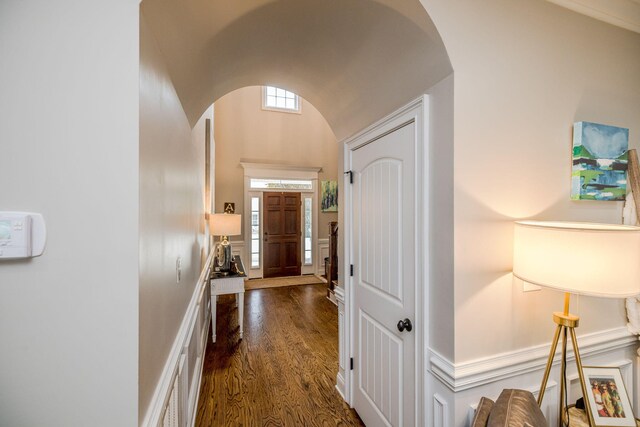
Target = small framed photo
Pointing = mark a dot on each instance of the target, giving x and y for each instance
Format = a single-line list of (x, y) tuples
[(608, 399)]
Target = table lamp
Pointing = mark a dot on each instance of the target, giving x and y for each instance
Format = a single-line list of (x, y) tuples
[(224, 225), (601, 260)]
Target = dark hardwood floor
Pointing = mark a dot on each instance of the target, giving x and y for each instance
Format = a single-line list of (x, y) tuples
[(283, 372)]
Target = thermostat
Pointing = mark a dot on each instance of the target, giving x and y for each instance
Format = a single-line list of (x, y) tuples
[(22, 235)]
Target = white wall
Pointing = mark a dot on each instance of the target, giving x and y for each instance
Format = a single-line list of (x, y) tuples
[(69, 142), (523, 75), (441, 249), (171, 213)]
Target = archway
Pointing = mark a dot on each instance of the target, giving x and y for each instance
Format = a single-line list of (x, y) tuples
[(356, 61)]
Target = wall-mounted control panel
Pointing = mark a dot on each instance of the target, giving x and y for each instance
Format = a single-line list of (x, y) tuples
[(22, 235)]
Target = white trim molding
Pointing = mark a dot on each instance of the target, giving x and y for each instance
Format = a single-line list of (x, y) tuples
[(237, 248), (475, 373), (172, 400), (342, 356), (266, 170), (440, 411), (621, 13), (322, 252)]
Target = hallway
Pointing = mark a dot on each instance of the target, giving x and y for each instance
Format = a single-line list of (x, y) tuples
[(283, 372)]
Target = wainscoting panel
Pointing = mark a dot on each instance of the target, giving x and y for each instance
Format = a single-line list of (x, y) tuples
[(323, 252), (440, 412), (459, 386), (176, 396), (237, 248)]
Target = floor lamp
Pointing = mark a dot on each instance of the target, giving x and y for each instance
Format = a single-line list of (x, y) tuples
[(601, 260)]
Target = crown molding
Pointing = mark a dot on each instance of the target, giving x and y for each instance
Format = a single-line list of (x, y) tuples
[(253, 165), (621, 13)]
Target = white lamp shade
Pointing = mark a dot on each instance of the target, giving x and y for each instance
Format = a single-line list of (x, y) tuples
[(582, 258), (222, 224)]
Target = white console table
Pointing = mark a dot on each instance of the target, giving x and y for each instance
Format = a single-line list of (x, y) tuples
[(232, 283)]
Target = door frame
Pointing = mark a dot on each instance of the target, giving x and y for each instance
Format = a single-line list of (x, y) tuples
[(417, 112), (277, 171)]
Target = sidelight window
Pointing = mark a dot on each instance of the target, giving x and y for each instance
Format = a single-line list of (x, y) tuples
[(255, 232), (308, 212)]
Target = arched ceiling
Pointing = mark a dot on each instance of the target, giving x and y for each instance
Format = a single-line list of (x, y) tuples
[(354, 60)]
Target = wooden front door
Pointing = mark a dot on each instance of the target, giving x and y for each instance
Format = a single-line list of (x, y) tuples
[(282, 234)]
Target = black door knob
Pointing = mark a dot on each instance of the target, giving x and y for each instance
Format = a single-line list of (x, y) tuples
[(405, 324)]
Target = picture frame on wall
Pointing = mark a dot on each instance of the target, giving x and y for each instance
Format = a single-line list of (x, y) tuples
[(329, 196), (609, 403)]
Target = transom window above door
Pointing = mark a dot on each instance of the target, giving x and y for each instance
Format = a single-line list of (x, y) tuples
[(275, 98), (281, 184)]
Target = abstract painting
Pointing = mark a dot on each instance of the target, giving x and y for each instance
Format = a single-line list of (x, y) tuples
[(329, 196), (599, 162)]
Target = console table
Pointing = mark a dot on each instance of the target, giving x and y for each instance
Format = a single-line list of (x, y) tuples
[(223, 284)]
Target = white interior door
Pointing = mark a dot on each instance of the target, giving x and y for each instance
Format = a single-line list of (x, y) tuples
[(384, 249)]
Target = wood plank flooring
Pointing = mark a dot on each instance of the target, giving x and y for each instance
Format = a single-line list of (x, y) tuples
[(283, 372)]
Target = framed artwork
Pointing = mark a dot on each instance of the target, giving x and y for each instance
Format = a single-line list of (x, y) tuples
[(609, 402), (229, 207), (329, 196), (599, 162)]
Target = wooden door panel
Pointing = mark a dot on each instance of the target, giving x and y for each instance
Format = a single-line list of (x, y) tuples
[(292, 200), (272, 200), (273, 223), (282, 234), (290, 253), (291, 222)]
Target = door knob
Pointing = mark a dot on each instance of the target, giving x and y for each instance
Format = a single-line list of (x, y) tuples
[(405, 324)]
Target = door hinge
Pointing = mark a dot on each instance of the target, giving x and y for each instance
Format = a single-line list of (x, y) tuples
[(350, 173), (351, 270), (351, 365)]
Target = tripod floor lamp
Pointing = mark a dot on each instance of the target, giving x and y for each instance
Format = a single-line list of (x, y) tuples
[(601, 260)]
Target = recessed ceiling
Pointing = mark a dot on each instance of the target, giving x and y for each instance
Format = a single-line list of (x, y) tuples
[(354, 60)]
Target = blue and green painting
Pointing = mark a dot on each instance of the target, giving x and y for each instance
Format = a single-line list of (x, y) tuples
[(328, 196), (599, 162)]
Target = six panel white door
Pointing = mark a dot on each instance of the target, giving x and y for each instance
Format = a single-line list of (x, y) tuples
[(384, 244)]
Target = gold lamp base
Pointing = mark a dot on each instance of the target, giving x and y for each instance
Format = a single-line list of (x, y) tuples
[(566, 323)]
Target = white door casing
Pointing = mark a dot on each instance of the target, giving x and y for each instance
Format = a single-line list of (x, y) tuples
[(385, 213)]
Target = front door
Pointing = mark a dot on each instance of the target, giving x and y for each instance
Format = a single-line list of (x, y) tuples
[(282, 234), (384, 244)]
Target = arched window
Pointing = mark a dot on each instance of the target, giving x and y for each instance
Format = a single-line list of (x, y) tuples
[(274, 98)]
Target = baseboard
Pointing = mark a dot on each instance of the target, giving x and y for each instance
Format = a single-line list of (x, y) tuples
[(475, 373), (340, 386), (165, 387)]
